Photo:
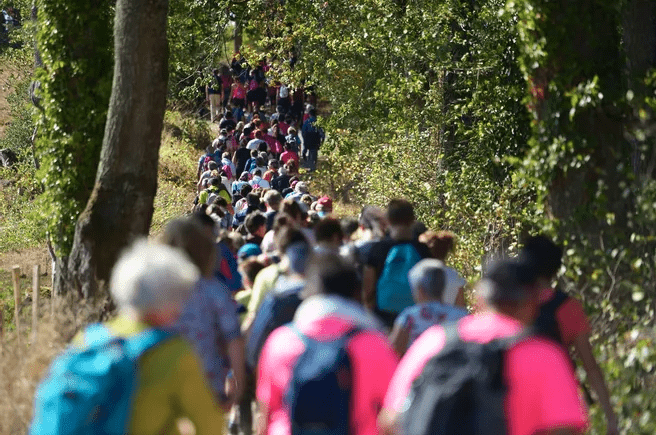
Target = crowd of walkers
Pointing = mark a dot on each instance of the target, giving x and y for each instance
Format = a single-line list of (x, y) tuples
[(261, 312)]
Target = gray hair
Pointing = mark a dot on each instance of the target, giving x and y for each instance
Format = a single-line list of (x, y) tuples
[(429, 276), (148, 277)]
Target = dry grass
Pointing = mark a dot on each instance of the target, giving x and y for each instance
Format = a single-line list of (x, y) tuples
[(22, 366)]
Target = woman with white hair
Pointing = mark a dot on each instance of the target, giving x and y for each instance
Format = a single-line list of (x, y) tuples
[(150, 283), (428, 281)]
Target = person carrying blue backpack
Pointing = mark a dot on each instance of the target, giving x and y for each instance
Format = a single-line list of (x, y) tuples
[(129, 375), (385, 285)]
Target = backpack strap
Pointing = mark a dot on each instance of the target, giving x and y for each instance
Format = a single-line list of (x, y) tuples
[(556, 301), (138, 344), (97, 334)]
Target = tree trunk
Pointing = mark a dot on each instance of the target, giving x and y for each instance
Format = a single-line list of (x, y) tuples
[(121, 205)]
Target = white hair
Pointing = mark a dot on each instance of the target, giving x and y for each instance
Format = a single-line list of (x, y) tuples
[(149, 276)]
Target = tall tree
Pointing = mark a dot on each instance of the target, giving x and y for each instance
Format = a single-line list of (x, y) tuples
[(121, 204)]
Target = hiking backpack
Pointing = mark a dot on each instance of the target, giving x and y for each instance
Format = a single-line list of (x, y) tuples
[(546, 323), (461, 390), (89, 389), (319, 396), (393, 292), (277, 309)]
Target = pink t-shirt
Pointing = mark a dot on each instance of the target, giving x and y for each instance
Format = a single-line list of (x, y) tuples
[(543, 393), (287, 156), (372, 359), (570, 316)]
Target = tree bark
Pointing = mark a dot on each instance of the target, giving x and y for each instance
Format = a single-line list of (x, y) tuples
[(120, 208)]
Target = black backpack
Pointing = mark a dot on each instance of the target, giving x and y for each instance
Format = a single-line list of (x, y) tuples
[(461, 390), (277, 309), (319, 395), (546, 323)]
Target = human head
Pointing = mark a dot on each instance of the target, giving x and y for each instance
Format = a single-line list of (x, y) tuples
[(400, 213), (249, 270), (324, 205), (212, 165), (191, 236), (293, 209), (272, 199), (253, 200), (149, 278), (439, 243), (256, 224), (544, 255), (373, 220), (328, 232), (508, 287), (329, 274), (294, 246), (427, 280)]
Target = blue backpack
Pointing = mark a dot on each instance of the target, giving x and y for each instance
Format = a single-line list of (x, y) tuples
[(393, 292), (319, 397), (89, 389)]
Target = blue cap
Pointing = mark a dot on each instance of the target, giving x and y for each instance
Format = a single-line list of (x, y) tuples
[(248, 250)]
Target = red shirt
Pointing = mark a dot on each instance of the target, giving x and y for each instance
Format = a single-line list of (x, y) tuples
[(542, 391)]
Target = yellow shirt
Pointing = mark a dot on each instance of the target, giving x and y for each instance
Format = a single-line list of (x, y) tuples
[(171, 386), (265, 281)]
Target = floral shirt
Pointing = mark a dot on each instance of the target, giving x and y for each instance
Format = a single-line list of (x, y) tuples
[(210, 322)]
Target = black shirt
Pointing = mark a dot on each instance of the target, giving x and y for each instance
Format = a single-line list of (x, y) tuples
[(243, 154)]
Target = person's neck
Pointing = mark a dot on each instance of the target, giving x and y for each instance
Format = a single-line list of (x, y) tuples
[(522, 314), (401, 233)]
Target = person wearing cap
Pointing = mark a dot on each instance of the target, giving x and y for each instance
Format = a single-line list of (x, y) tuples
[(428, 280), (543, 394), (324, 206), (247, 251)]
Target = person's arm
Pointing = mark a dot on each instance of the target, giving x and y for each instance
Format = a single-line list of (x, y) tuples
[(261, 419), (595, 376), (195, 399), (237, 363), (369, 287), (399, 338)]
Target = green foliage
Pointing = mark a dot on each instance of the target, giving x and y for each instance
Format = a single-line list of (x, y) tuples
[(75, 42), (498, 121), (198, 32)]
